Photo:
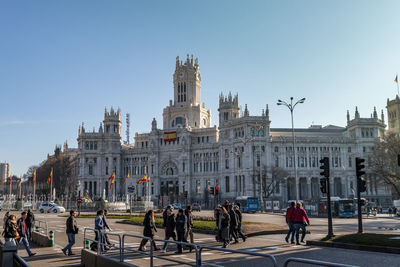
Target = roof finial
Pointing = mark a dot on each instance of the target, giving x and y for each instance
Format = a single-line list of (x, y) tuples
[(382, 117), (357, 115), (375, 113), (348, 116)]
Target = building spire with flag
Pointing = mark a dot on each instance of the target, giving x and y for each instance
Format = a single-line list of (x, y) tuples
[(396, 80)]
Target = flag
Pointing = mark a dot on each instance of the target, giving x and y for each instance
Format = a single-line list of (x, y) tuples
[(127, 177), (112, 182), (50, 176), (19, 184), (34, 176), (144, 178), (148, 178), (396, 80), (111, 177)]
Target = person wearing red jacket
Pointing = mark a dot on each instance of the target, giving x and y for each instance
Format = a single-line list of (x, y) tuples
[(299, 220), (289, 221)]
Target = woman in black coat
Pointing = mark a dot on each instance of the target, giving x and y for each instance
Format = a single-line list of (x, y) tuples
[(149, 230)]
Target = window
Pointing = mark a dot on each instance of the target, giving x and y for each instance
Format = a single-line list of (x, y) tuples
[(198, 188), (349, 161), (95, 145), (258, 161), (106, 169), (349, 149), (183, 166), (227, 184), (90, 170), (364, 149), (227, 164)]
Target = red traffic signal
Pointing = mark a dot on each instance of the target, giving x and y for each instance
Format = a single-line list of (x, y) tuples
[(216, 190)]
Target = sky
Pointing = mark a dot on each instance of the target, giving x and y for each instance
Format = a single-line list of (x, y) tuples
[(63, 62)]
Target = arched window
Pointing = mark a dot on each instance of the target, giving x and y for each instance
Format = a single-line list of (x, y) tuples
[(169, 171), (204, 122)]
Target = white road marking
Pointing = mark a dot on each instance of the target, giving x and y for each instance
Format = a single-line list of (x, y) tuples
[(253, 249), (212, 264), (206, 253)]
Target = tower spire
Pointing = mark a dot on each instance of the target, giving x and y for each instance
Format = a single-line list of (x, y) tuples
[(348, 116), (375, 113), (357, 115)]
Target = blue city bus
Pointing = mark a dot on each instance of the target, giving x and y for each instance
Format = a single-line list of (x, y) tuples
[(248, 204), (340, 207)]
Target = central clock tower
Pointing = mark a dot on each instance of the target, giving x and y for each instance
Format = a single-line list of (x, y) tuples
[(187, 108)]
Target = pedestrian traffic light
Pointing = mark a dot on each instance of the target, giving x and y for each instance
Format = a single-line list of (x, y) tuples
[(216, 190), (185, 194), (360, 167), (211, 190), (324, 166), (322, 181), (362, 184)]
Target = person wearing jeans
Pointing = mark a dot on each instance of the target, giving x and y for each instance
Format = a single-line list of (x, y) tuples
[(289, 221), (299, 220), (22, 230), (71, 230)]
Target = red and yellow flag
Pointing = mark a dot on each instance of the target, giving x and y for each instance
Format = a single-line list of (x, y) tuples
[(111, 177), (395, 79), (127, 177), (144, 178), (34, 176), (19, 183), (148, 178), (112, 182), (50, 176)]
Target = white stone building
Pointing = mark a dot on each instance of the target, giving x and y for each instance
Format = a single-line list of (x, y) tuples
[(189, 155)]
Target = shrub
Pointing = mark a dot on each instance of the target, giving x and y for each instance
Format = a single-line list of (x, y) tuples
[(100, 204)]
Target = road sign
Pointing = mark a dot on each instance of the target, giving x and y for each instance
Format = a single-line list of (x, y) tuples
[(79, 200)]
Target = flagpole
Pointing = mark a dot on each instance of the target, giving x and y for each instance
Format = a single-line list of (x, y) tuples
[(51, 185), (10, 187), (34, 193), (20, 186), (397, 83)]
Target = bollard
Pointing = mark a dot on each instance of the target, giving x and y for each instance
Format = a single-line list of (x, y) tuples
[(51, 235), (87, 244), (37, 228)]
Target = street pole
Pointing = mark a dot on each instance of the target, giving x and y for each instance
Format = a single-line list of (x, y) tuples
[(51, 185), (359, 215), (328, 194)]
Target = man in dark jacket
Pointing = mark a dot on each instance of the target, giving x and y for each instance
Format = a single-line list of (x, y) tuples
[(239, 217), (233, 227), (189, 232), (164, 215), (30, 222), (71, 230), (181, 229), (169, 228), (22, 230)]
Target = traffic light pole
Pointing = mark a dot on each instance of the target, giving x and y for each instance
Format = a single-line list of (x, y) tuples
[(328, 194), (359, 215)]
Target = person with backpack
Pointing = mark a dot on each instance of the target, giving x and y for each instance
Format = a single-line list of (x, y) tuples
[(239, 215), (189, 232), (149, 230), (22, 231), (71, 230), (30, 222), (10, 232), (181, 229)]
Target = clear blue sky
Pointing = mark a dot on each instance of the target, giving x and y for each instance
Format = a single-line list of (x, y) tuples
[(62, 62)]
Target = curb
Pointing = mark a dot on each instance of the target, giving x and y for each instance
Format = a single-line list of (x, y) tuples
[(354, 246)]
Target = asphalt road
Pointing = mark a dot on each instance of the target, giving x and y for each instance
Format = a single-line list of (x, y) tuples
[(272, 244)]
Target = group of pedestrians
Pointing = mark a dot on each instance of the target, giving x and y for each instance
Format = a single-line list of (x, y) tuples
[(19, 231), (296, 219), (228, 218)]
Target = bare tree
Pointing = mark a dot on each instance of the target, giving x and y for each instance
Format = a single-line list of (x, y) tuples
[(383, 163), (269, 185)]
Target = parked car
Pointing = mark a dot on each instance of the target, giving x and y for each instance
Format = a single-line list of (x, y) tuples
[(196, 207), (51, 207)]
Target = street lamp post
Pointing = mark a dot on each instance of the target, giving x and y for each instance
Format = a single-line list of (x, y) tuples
[(291, 107)]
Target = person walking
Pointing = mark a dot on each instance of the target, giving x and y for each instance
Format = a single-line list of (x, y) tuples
[(299, 220), (223, 224), (233, 227), (165, 216), (181, 229), (217, 213), (30, 222), (22, 231), (240, 218), (99, 226), (189, 232), (106, 227), (71, 230), (10, 232), (149, 230), (289, 221), (169, 228)]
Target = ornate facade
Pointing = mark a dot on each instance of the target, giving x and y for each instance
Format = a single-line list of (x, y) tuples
[(189, 156)]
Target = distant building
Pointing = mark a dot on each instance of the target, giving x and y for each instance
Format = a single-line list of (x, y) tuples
[(188, 156)]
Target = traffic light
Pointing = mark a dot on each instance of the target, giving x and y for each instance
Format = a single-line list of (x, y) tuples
[(216, 190), (211, 190), (324, 166), (185, 194), (362, 184), (322, 181), (360, 167)]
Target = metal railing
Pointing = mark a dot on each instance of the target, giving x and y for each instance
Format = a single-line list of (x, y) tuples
[(18, 261), (119, 247), (93, 240), (316, 262), (40, 224), (197, 250), (265, 255), (137, 250)]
